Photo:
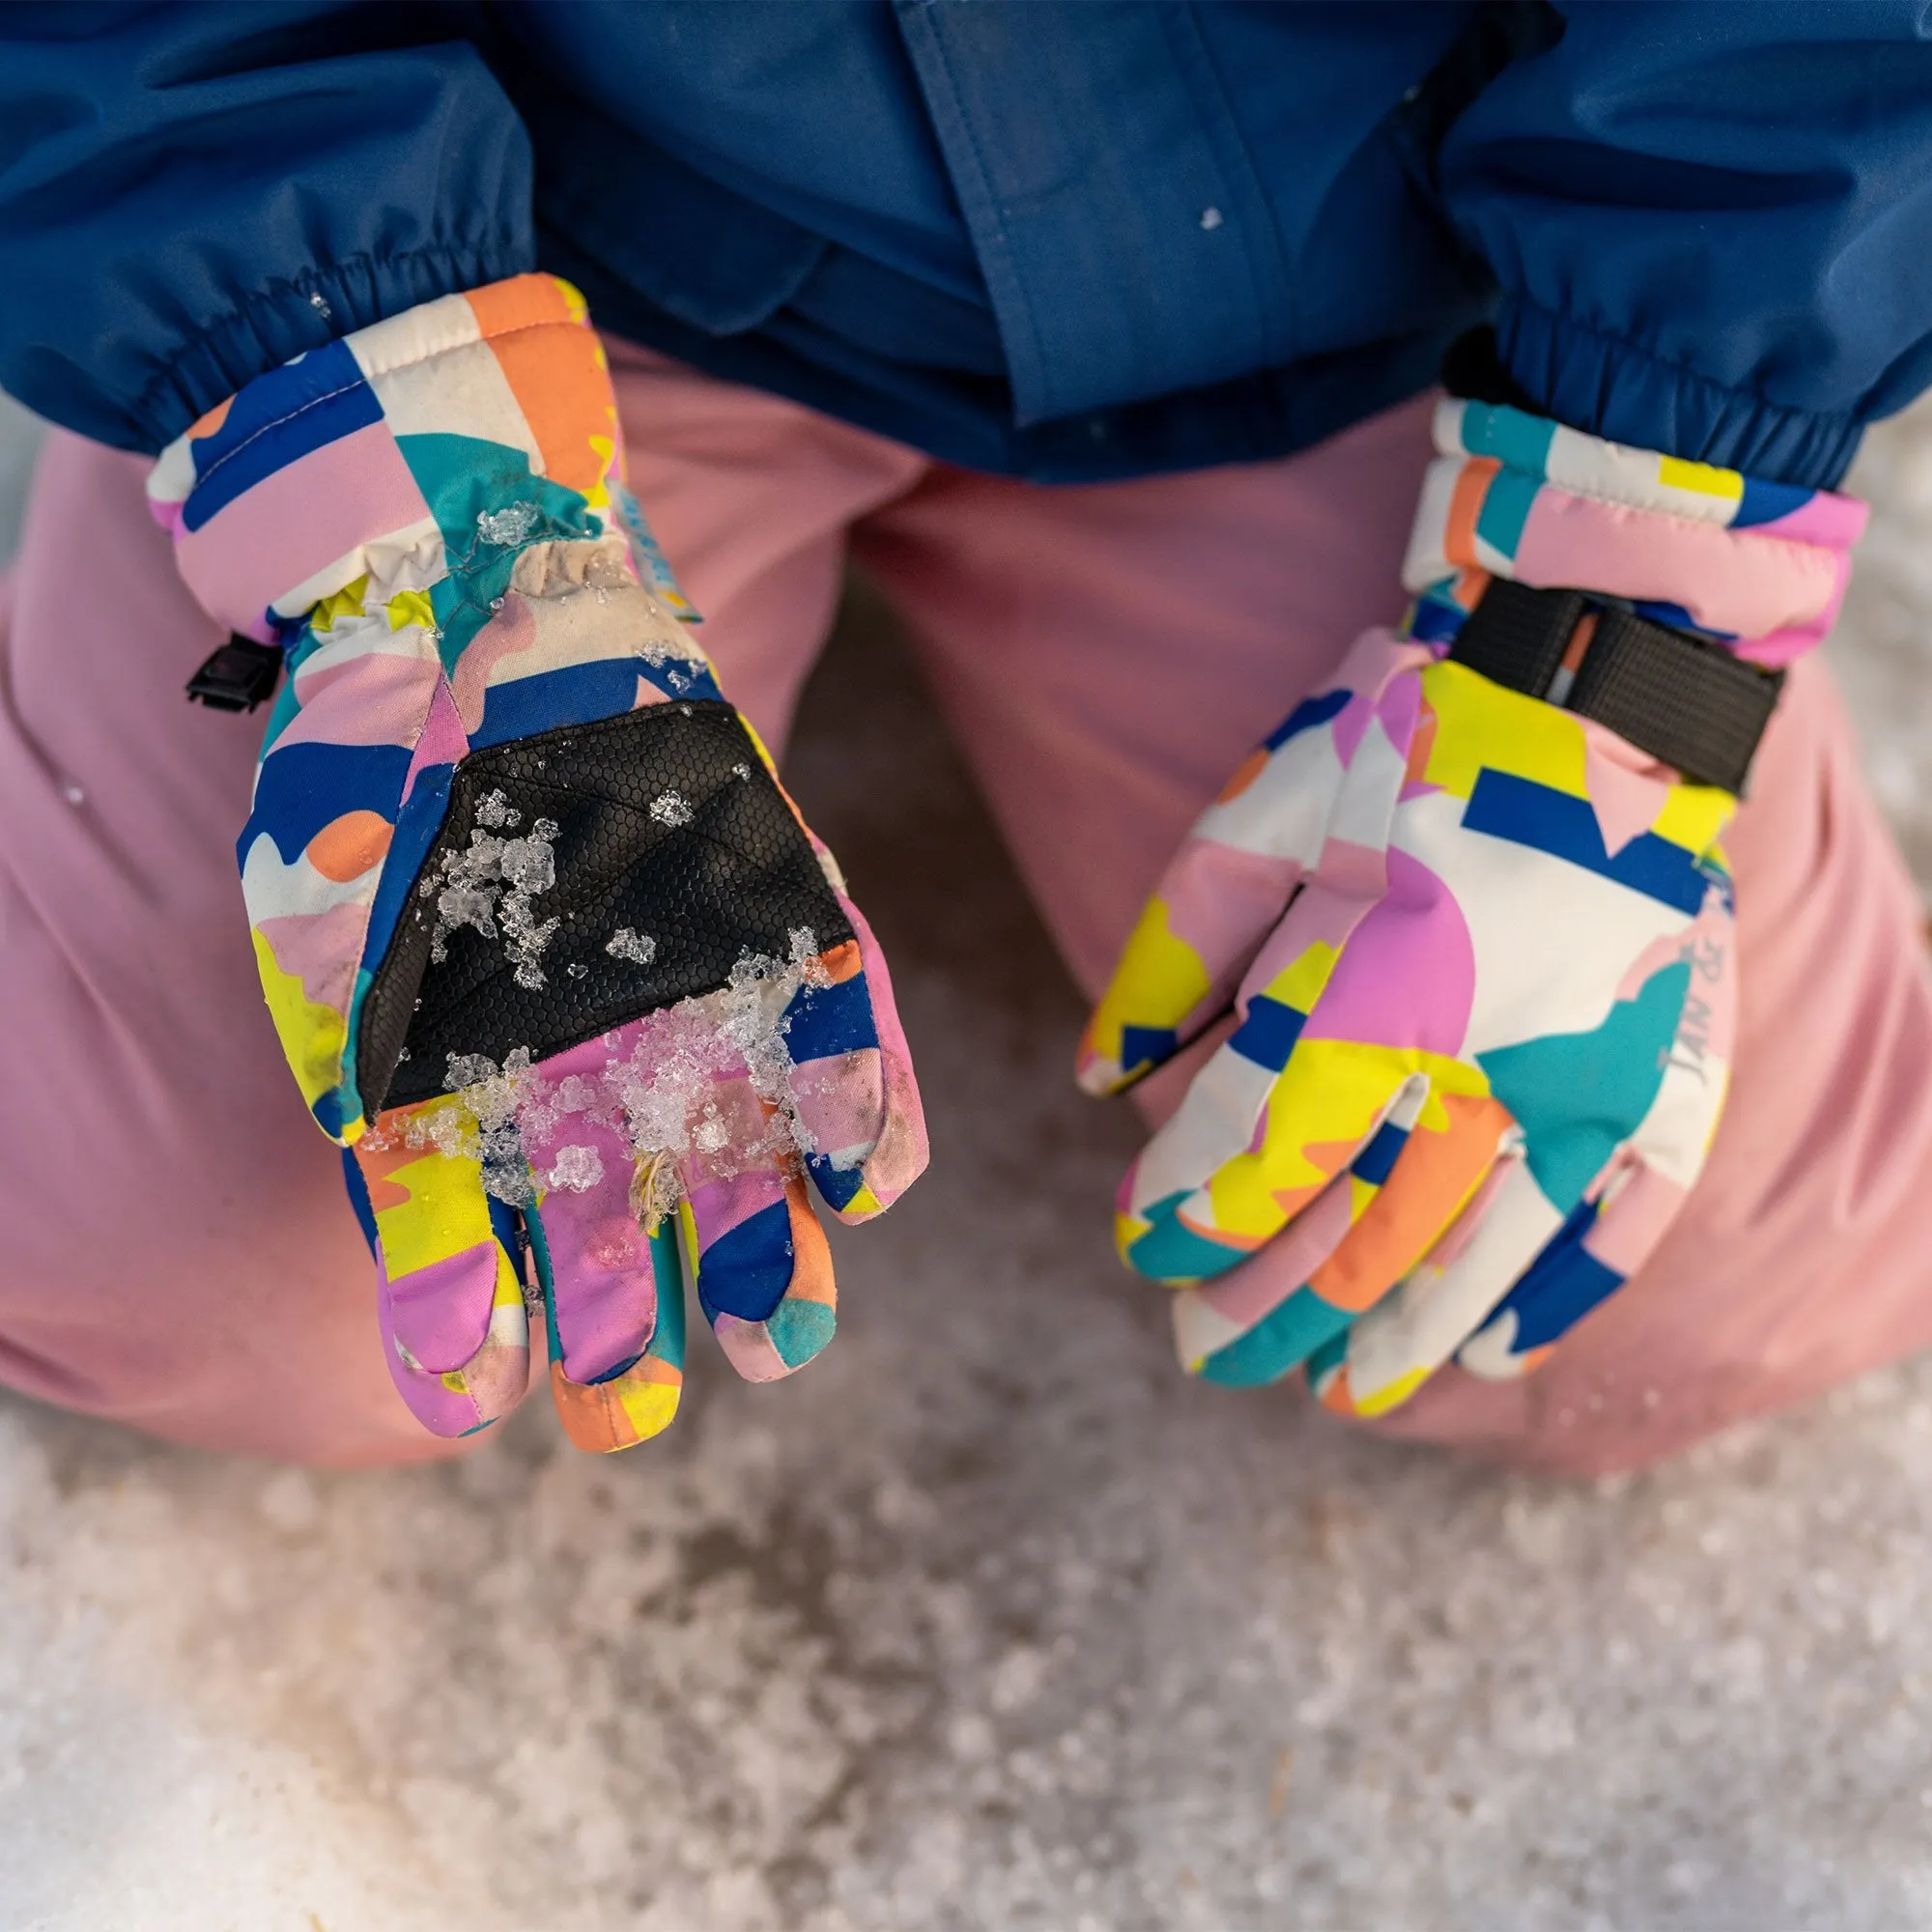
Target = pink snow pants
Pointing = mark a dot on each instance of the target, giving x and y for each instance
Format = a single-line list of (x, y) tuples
[(176, 1234)]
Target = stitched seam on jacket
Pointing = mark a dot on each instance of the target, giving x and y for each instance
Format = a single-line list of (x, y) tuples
[(142, 406), (1630, 346)]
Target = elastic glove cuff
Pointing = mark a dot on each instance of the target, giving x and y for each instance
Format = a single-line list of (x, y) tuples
[(1760, 567), (326, 472)]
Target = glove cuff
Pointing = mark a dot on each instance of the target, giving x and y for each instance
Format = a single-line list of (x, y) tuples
[(1761, 568), (461, 432)]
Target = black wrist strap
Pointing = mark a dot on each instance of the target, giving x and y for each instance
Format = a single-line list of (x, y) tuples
[(1680, 697)]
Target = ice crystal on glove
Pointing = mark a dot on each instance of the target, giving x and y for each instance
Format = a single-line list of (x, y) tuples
[(708, 1078), (507, 528), (638, 947), (480, 1122), (579, 1169), (489, 888)]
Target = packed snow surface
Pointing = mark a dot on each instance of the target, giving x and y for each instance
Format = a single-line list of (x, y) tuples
[(990, 1619)]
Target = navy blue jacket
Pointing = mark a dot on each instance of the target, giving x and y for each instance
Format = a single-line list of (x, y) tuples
[(1058, 239)]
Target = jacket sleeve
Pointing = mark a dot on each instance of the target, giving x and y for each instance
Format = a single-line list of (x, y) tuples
[(192, 193), (1711, 224)]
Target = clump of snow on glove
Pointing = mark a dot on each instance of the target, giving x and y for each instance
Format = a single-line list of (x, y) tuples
[(490, 887), (706, 1081)]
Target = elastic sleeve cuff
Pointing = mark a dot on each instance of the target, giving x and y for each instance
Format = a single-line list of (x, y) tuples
[(286, 319), (1610, 388)]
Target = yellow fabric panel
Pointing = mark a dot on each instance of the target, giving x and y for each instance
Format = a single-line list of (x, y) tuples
[(1703, 479), (1479, 725), (313, 1037), (347, 602), (446, 1213)]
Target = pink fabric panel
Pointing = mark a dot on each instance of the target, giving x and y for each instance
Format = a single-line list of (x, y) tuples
[(442, 1311), (901, 1154), (296, 522), (320, 950), (1221, 901), (1249, 1292), (1732, 581), (1825, 517), (379, 700), (1411, 977), (443, 740), (841, 1099)]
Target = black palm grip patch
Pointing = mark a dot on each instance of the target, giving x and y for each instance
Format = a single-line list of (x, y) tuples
[(668, 827)]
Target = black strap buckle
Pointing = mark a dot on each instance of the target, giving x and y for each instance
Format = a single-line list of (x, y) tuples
[(1680, 697), (241, 676)]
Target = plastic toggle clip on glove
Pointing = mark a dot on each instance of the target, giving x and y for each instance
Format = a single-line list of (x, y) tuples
[(1468, 912), (548, 949)]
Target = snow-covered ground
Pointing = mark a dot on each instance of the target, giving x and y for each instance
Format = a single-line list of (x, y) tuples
[(991, 1620)]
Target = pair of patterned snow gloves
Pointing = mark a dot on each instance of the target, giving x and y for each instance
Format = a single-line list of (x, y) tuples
[(1457, 939), (549, 951)]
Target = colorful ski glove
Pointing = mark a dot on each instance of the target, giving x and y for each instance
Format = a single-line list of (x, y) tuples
[(1477, 948), (550, 950)]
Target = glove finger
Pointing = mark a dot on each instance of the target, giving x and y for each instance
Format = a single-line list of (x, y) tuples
[(448, 1255), (1590, 1257), (1271, 1118), (854, 1095), (863, 1117), (1366, 1231), (614, 1298), (1630, 1207), (1230, 1329), (1280, 819), (1347, 999), (752, 1246), (1628, 1210), (1396, 1345)]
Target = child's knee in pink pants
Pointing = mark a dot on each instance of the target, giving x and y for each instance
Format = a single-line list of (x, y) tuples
[(187, 1260)]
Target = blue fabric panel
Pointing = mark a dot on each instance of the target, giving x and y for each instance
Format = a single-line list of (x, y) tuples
[(574, 694), (1145, 1046), (1675, 614), (681, 677), (1560, 1286), (418, 825), (357, 1190), (1268, 1033), (281, 417), (1527, 814), (303, 787), (747, 1271), (1376, 1161), (1306, 716), (836, 1186), (1764, 502), (821, 1021)]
